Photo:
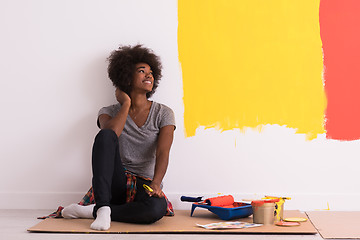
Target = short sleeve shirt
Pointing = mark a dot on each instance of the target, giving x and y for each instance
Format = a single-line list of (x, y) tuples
[(137, 145)]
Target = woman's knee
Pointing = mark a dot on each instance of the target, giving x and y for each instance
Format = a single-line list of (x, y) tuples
[(106, 133), (106, 143), (106, 136)]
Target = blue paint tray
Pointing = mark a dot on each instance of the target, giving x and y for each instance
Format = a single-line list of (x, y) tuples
[(240, 210)]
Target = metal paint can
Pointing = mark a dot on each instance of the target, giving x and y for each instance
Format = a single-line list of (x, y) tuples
[(264, 211)]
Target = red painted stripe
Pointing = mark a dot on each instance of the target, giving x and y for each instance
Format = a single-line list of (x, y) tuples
[(340, 34)]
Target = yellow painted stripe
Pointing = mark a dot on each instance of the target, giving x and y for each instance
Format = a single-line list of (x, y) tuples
[(247, 63)]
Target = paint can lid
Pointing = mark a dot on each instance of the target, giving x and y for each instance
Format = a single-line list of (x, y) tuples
[(295, 219), (287, 224)]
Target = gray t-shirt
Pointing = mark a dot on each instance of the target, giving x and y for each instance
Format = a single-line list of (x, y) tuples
[(138, 144)]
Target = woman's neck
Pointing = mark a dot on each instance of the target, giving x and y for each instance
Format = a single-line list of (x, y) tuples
[(139, 102)]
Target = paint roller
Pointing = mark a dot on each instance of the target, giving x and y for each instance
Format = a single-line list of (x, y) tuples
[(221, 201)]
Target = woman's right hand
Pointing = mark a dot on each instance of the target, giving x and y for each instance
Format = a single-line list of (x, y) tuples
[(122, 97)]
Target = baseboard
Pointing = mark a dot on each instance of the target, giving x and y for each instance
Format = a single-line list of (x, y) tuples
[(303, 202), (38, 200)]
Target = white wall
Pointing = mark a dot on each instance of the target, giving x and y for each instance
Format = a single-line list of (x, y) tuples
[(53, 82)]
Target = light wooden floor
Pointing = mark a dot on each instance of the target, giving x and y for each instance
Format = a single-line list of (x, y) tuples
[(13, 225)]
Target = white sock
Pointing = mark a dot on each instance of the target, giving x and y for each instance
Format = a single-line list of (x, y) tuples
[(78, 211), (103, 219)]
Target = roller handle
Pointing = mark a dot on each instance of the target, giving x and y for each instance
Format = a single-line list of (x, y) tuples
[(190, 199)]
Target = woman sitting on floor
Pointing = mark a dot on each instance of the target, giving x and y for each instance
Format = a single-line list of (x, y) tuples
[(132, 147)]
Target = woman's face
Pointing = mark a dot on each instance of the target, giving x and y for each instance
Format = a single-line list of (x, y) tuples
[(143, 78)]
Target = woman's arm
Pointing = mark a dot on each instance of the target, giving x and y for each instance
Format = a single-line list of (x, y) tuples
[(165, 140), (117, 123)]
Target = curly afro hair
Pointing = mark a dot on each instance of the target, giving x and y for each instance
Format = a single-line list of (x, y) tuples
[(122, 66)]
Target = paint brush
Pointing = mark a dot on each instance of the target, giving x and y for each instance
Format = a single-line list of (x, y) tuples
[(148, 188), (284, 198)]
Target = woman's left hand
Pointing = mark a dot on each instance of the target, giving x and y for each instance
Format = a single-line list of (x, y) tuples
[(157, 192)]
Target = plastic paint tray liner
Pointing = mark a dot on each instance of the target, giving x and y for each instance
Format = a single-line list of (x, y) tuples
[(240, 210)]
